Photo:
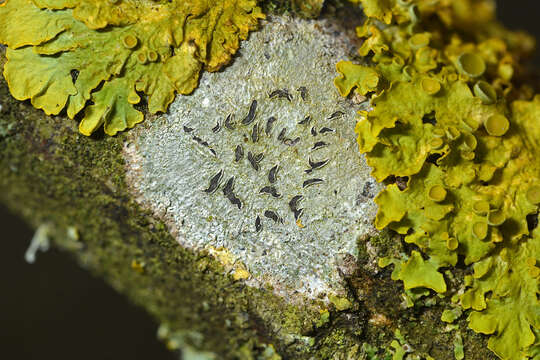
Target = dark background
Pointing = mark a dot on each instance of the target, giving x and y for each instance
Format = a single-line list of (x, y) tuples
[(52, 309)]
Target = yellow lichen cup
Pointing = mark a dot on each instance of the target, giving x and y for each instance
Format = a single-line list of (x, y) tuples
[(533, 194), (408, 72), (471, 64), (436, 143), (152, 56), (438, 132), (418, 41), (431, 86), (485, 92), (480, 230), (130, 41), (142, 58), (481, 207), (437, 193), (452, 243), (470, 142), (496, 218), (497, 125), (452, 133)]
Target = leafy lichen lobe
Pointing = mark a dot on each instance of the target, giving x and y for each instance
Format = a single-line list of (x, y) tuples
[(455, 138), (96, 58)]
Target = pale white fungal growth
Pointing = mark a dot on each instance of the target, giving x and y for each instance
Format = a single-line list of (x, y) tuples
[(39, 242)]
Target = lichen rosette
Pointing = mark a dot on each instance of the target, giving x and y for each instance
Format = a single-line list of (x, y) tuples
[(96, 58), (455, 137)]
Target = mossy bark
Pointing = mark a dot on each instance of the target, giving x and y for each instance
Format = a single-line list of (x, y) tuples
[(303, 8), (51, 174)]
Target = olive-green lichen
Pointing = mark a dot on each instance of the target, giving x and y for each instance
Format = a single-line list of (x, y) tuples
[(96, 58), (458, 152)]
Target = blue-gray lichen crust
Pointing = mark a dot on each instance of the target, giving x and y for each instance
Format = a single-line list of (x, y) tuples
[(262, 161)]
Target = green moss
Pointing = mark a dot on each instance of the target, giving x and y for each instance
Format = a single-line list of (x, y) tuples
[(324, 319), (338, 344), (303, 8)]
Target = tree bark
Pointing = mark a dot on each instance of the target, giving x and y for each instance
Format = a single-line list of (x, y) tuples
[(80, 191)]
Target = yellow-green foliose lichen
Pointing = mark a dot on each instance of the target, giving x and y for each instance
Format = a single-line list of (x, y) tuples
[(96, 58), (455, 138)]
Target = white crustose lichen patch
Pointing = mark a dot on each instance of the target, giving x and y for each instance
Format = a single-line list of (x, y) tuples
[(262, 160)]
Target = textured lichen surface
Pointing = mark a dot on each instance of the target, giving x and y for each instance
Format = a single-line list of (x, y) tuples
[(101, 59), (455, 137), (51, 174), (250, 162)]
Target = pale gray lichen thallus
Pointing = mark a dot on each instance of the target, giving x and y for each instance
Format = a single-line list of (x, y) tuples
[(262, 159), (254, 169), (311, 136)]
